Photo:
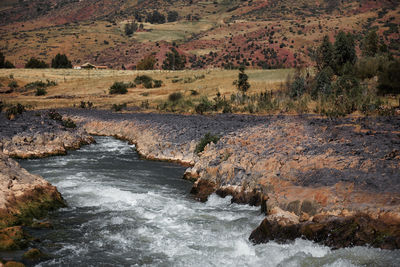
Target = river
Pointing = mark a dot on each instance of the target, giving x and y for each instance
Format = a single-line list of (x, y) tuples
[(125, 211)]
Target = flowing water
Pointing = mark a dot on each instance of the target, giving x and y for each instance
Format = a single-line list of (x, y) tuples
[(124, 211)]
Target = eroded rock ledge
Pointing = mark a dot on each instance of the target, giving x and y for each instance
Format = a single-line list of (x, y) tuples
[(25, 197), (311, 176)]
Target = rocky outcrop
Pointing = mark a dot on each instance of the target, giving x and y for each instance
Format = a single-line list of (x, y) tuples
[(23, 197), (309, 167), (36, 135), (336, 232)]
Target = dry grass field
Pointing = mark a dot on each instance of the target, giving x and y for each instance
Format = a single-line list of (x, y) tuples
[(74, 86)]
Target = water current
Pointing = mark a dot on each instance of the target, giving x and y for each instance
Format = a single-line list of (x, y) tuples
[(125, 211)]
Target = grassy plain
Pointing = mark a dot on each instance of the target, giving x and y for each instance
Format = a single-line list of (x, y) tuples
[(74, 86)]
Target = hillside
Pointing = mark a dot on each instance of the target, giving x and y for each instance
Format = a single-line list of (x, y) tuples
[(219, 33)]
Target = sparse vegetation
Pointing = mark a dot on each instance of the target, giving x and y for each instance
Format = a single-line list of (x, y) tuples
[(40, 91), (118, 107), (120, 88), (147, 81), (68, 123), (207, 139), (14, 110), (13, 84)]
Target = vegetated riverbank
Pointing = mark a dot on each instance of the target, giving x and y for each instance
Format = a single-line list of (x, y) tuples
[(334, 182)]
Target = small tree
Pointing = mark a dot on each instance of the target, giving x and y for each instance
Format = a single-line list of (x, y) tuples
[(344, 51), (130, 28), (147, 63), (174, 61), (5, 64), (370, 45), (34, 63), (324, 55), (243, 84), (118, 88), (155, 17), (60, 61), (172, 16)]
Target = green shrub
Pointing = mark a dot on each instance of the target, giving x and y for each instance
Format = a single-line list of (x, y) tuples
[(13, 84), (148, 84), (145, 104), (119, 88), (141, 79), (389, 79), (174, 97), (118, 107), (60, 61), (157, 83), (298, 87), (14, 110), (40, 84), (204, 106), (40, 91), (55, 115), (68, 123), (34, 63), (208, 138)]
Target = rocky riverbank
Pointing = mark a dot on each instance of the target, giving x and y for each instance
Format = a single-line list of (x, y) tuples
[(25, 198), (311, 176)]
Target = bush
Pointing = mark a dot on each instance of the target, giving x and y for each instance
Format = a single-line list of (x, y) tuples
[(35, 84), (298, 87), (174, 61), (68, 123), (118, 107), (34, 63), (13, 84), (389, 79), (119, 88), (15, 110), (148, 84), (172, 16), (146, 63), (55, 115), (323, 83), (8, 65), (208, 138), (157, 83), (204, 106), (60, 61), (130, 28), (141, 79), (175, 97), (40, 91)]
